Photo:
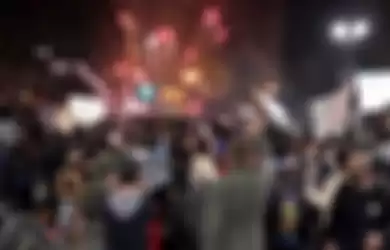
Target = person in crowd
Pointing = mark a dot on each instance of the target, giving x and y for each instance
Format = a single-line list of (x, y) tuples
[(286, 212), (360, 217), (69, 185), (202, 166), (25, 164), (101, 173), (382, 152), (186, 211), (33, 230), (233, 209), (322, 196), (126, 210), (182, 143), (80, 235), (104, 161)]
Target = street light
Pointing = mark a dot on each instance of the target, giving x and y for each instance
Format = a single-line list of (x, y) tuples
[(348, 32)]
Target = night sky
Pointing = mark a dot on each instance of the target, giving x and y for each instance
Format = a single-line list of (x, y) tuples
[(84, 28), (76, 26)]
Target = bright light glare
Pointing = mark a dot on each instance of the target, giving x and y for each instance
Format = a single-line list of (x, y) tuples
[(361, 29), (173, 95), (339, 31), (374, 90), (87, 110), (349, 31), (146, 92), (63, 120), (191, 76)]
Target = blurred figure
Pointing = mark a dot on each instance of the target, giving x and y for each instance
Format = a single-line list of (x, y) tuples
[(27, 231), (126, 211), (360, 216), (181, 147), (232, 216), (382, 156), (25, 163), (102, 172), (69, 185), (202, 166), (322, 195), (185, 214), (286, 213), (103, 163)]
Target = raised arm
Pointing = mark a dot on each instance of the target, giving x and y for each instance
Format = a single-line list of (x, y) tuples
[(321, 195)]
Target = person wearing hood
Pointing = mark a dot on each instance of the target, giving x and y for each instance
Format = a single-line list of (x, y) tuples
[(126, 211)]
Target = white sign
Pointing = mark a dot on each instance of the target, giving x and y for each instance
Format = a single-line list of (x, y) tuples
[(277, 113), (330, 114), (374, 90), (86, 110)]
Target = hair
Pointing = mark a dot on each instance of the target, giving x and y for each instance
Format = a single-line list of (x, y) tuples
[(130, 171), (244, 150), (344, 153), (202, 147)]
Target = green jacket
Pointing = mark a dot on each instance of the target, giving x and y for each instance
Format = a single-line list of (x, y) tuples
[(232, 215), (94, 190)]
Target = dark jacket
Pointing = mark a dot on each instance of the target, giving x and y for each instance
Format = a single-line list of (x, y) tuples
[(358, 212), (125, 218), (297, 235)]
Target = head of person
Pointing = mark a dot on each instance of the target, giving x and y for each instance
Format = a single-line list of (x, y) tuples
[(202, 148), (130, 172), (115, 139), (75, 156), (271, 87), (246, 153), (253, 121), (354, 160)]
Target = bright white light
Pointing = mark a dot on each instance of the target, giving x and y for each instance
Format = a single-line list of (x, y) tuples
[(62, 120), (361, 29), (87, 110), (349, 31), (191, 76), (339, 31), (374, 90)]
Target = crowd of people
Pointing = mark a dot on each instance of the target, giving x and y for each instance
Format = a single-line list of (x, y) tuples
[(173, 184)]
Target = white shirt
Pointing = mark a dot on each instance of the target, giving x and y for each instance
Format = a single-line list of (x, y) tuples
[(202, 169)]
